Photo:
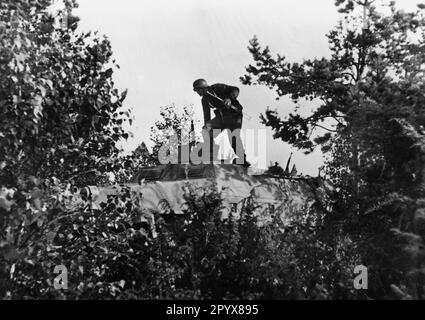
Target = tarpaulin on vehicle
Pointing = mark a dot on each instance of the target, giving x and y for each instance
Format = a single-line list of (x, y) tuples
[(167, 192)]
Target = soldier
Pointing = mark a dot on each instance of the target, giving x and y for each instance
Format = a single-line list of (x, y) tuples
[(223, 99)]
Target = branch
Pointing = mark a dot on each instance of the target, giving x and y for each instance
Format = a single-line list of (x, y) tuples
[(349, 74), (330, 130), (310, 119), (336, 118), (311, 132)]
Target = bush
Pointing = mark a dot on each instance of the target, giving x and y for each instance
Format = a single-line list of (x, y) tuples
[(119, 251)]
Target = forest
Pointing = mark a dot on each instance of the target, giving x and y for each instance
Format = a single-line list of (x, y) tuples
[(62, 119)]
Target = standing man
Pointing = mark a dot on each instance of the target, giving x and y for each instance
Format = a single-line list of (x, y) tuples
[(228, 115)]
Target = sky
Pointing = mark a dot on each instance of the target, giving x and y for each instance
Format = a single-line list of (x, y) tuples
[(162, 46)]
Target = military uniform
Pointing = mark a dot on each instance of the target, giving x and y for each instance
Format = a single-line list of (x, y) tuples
[(225, 118)]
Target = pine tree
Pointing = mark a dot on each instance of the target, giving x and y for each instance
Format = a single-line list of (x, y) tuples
[(368, 92)]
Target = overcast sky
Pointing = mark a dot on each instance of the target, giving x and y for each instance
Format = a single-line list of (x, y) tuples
[(162, 46)]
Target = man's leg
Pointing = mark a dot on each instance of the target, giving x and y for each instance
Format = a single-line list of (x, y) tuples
[(235, 141), (234, 125), (210, 131)]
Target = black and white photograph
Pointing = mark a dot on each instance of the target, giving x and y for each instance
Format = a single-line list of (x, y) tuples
[(231, 151)]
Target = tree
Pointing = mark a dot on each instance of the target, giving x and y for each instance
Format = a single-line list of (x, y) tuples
[(371, 88), (359, 58), (174, 125), (131, 164), (60, 120), (60, 113)]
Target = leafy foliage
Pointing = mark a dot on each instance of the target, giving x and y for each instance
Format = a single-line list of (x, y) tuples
[(131, 164), (118, 251), (360, 69), (372, 89), (61, 115), (61, 118), (177, 127)]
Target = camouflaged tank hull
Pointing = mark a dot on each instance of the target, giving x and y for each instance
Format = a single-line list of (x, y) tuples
[(156, 186)]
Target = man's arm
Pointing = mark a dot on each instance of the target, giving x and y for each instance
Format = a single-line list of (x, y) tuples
[(228, 92), (232, 92), (207, 111), (225, 91)]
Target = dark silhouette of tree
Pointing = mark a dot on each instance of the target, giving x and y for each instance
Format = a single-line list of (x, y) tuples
[(369, 121), (60, 112)]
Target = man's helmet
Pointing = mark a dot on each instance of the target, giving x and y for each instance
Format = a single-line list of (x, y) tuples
[(200, 83)]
